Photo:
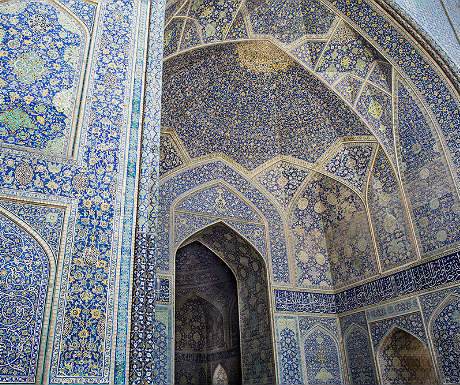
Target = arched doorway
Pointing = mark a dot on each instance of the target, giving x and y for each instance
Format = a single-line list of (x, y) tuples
[(222, 310), (207, 327), (404, 360)]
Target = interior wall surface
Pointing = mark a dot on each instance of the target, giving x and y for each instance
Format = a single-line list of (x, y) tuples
[(355, 211)]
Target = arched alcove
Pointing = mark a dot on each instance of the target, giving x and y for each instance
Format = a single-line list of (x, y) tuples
[(359, 356), (404, 360), (206, 328), (27, 271), (220, 376), (206, 261)]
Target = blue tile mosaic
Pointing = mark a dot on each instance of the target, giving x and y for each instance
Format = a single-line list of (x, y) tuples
[(24, 280), (358, 350), (332, 242), (47, 221), (351, 164), (169, 155), (411, 323), (267, 105), (40, 87), (289, 20), (388, 215), (208, 172), (420, 277), (218, 201), (321, 351), (445, 329), (289, 358), (283, 181)]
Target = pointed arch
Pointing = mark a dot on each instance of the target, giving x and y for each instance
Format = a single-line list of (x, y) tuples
[(322, 356), (254, 305), (220, 376), (26, 289), (403, 358), (359, 355)]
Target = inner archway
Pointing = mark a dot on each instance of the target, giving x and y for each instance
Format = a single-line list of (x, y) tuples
[(207, 327), (403, 360), (201, 258)]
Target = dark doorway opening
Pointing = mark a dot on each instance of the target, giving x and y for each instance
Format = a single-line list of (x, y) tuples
[(207, 334)]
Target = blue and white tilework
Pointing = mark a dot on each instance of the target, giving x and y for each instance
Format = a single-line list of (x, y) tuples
[(351, 163), (321, 350), (24, 279), (426, 178), (283, 181), (389, 216), (358, 350), (178, 185), (169, 154), (332, 241), (48, 221), (289, 358), (392, 309), (411, 323), (445, 334), (42, 69)]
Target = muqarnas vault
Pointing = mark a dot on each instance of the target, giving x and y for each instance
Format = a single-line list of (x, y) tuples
[(229, 192)]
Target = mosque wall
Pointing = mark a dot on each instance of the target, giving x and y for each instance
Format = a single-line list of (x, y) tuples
[(71, 83)]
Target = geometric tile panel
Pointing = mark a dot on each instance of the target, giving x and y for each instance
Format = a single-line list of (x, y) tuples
[(238, 30), (169, 154), (162, 341), (40, 76), (289, 358), (24, 279), (289, 20), (283, 181), (381, 76), (347, 52), (186, 224), (349, 88), (359, 355), (389, 216), (411, 323), (218, 201), (376, 109), (321, 351)]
